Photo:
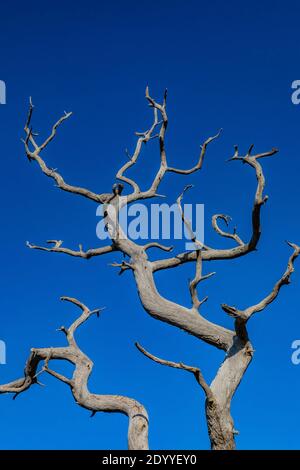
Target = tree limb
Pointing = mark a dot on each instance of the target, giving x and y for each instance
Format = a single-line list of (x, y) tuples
[(50, 172), (198, 278), (57, 248), (138, 418), (243, 248), (157, 245), (221, 232), (247, 313), (144, 137), (179, 365), (198, 165), (164, 168)]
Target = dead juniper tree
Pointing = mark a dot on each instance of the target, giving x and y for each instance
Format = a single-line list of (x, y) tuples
[(138, 418), (234, 342)]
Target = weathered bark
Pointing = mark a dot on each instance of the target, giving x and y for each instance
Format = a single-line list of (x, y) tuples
[(219, 421), (219, 425)]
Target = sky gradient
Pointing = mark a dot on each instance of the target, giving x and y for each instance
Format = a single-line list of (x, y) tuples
[(225, 64)]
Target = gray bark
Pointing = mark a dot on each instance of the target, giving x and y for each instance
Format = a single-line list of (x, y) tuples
[(83, 366)]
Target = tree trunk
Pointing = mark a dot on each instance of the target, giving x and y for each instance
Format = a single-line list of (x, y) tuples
[(219, 421), (220, 426)]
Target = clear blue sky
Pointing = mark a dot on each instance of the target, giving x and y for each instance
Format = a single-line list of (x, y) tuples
[(226, 64)]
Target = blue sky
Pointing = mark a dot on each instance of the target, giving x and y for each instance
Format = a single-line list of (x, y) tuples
[(225, 64)]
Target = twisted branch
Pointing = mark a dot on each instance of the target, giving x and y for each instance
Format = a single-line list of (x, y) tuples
[(259, 199), (221, 232), (157, 245), (242, 248), (138, 418)]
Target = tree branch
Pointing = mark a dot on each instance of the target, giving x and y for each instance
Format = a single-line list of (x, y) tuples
[(144, 137), (198, 165), (226, 219), (138, 418), (164, 168), (152, 191), (198, 278), (179, 365), (186, 222), (50, 172), (247, 313), (157, 245), (243, 248), (57, 248)]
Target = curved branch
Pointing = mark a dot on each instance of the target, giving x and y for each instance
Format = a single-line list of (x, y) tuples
[(164, 168), (144, 137), (152, 191), (157, 245), (187, 223), (179, 365), (259, 199), (221, 232), (198, 166), (138, 418), (50, 172), (247, 313), (241, 250), (57, 248)]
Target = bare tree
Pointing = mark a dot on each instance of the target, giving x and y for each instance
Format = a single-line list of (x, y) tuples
[(138, 417), (234, 342)]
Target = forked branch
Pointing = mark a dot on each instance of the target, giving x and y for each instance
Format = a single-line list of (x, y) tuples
[(144, 137), (34, 154), (198, 278), (164, 168)]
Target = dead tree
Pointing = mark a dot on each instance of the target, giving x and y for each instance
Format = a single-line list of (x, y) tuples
[(138, 418), (234, 342)]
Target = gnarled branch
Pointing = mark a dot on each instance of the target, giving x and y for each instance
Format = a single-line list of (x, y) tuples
[(164, 168), (138, 418), (243, 248)]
